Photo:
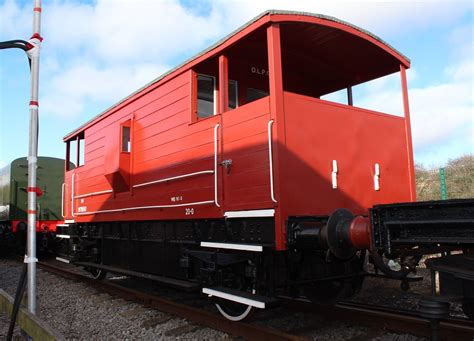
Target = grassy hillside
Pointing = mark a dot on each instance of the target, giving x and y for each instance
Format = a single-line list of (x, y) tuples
[(459, 180)]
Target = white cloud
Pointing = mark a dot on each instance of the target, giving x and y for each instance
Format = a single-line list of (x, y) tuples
[(113, 31), (99, 52), (381, 94), (441, 114), (385, 18), (464, 71), (91, 48), (124, 36), (462, 39), (15, 21), (70, 90)]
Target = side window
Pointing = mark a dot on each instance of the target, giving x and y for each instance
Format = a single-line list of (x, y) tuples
[(126, 147), (75, 151), (71, 154), (82, 151), (205, 96), (254, 94), (233, 94)]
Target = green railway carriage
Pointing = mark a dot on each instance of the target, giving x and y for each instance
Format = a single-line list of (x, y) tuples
[(14, 198)]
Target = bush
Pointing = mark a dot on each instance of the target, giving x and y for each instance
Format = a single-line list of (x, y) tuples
[(459, 180)]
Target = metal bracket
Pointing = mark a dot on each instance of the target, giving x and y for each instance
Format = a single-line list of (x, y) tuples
[(30, 259), (34, 45), (227, 164)]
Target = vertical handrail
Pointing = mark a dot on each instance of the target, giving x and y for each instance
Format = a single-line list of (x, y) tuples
[(62, 199), (270, 159), (72, 194), (216, 128)]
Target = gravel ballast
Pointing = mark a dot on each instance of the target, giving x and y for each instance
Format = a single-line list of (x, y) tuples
[(78, 311), (82, 312)]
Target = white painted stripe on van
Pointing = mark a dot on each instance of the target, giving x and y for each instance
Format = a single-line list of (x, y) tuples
[(235, 298), (243, 247), (250, 214)]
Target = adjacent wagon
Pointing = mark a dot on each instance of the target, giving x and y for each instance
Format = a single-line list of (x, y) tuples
[(14, 200)]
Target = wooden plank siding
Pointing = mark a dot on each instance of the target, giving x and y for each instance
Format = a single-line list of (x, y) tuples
[(245, 142), (167, 142)]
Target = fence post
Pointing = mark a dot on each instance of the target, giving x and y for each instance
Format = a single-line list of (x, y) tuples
[(442, 183)]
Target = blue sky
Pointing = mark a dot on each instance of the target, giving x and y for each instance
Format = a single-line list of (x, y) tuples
[(97, 52)]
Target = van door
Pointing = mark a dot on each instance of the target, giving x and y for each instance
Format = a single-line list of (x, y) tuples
[(245, 160)]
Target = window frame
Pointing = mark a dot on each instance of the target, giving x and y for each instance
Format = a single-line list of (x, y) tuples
[(214, 96), (70, 164), (126, 124), (80, 153), (236, 93), (259, 91)]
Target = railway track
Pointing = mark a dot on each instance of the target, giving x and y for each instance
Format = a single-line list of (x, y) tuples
[(395, 320), (406, 321), (195, 315), (381, 318)]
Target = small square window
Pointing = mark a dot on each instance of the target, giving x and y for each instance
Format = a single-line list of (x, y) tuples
[(126, 146)]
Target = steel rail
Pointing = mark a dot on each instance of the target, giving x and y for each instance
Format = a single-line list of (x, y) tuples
[(407, 320), (396, 320), (195, 315)]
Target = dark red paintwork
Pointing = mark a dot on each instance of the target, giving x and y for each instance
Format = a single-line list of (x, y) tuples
[(360, 233), (41, 225), (307, 134)]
